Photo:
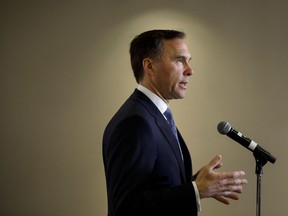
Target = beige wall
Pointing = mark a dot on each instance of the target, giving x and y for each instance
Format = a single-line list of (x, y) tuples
[(65, 71)]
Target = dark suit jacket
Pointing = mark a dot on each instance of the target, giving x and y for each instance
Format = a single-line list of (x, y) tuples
[(145, 173)]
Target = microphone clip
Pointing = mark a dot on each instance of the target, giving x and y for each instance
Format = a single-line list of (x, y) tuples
[(262, 157)]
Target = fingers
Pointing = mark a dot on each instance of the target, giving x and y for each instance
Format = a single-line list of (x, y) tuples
[(233, 181), (226, 190), (219, 185), (222, 199), (226, 201), (215, 163), (232, 196), (227, 186), (235, 174)]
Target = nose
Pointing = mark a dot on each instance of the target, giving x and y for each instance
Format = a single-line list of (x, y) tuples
[(188, 71)]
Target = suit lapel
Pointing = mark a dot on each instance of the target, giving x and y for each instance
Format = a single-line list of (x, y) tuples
[(164, 127), (187, 159)]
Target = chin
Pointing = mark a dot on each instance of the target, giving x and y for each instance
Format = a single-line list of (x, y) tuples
[(180, 96)]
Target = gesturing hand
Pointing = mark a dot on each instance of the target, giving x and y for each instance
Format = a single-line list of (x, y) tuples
[(219, 185)]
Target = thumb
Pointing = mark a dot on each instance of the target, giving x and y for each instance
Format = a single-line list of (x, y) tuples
[(215, 162)]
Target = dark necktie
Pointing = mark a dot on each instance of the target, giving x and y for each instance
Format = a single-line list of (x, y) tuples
[(171, 122)]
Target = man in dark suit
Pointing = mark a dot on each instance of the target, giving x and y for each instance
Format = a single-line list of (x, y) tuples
[(147, 164)]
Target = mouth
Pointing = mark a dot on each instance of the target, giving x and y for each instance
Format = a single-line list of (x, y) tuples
[(183, 85)]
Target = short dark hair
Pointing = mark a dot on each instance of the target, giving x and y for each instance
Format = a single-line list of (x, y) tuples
[(149, 44)]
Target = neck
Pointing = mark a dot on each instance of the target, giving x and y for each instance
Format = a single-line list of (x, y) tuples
[(155, 91)]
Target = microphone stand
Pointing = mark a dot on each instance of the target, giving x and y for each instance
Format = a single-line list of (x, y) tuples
[(261, 160)]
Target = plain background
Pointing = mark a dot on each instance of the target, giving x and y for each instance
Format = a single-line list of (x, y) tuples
[(65, 71)]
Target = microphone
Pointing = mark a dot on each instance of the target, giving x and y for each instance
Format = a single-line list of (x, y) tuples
[(226, 129)]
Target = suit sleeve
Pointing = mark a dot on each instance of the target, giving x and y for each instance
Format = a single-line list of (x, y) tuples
[(130, 156)]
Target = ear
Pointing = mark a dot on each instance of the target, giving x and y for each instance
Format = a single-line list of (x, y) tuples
[(148, 67)]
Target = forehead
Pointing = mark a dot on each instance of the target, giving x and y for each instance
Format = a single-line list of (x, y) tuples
[(176, 46)]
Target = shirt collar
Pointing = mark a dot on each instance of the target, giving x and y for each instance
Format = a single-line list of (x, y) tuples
[(159, 102)]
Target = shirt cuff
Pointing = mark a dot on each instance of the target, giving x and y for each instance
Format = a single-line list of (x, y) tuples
[(197, 196)]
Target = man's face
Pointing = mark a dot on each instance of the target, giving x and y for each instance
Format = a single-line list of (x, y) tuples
[(172, 70)]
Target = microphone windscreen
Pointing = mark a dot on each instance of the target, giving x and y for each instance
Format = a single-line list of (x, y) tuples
[(224, 127)]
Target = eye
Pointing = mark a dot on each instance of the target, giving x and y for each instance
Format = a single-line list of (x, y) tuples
[(181, 59)]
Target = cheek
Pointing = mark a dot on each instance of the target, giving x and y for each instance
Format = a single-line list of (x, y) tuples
[(169, 76), (175, 77)]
